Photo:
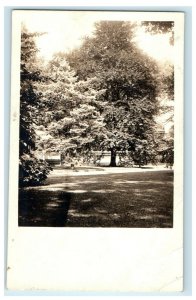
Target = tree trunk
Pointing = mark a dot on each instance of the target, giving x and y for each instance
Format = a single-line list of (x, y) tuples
[(113, 158)]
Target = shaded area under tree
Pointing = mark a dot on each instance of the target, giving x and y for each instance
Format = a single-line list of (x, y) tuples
[(142, 199)]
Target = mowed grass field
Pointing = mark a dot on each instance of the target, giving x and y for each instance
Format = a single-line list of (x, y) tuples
[(134, 200)]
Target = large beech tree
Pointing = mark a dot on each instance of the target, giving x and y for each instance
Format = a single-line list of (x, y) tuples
[(129, 80)]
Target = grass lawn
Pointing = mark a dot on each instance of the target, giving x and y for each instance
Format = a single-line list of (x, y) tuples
[(137, 199)]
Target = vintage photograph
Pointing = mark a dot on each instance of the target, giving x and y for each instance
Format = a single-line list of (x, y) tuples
[(96, 142), (96, 151)]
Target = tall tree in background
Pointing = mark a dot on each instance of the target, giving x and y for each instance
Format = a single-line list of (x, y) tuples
[(166, 88), (167, 85), (128, 77)]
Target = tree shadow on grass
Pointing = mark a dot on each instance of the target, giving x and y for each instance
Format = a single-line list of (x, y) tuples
[(43, 208), (120, 200), (94, 209)]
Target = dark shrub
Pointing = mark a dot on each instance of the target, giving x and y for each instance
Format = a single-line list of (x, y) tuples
[(32, 171)]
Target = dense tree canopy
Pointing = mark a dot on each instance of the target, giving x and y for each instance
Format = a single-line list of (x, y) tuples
[(72, 122), (101, 96), (129, 80)]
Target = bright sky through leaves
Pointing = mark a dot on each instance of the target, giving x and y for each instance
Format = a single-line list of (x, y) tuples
[(65, 32)]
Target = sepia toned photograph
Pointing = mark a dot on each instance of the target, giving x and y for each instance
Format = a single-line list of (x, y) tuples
[(96, 121), (96, 151)]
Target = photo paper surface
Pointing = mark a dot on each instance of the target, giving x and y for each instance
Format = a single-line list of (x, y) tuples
[(96, 151)]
